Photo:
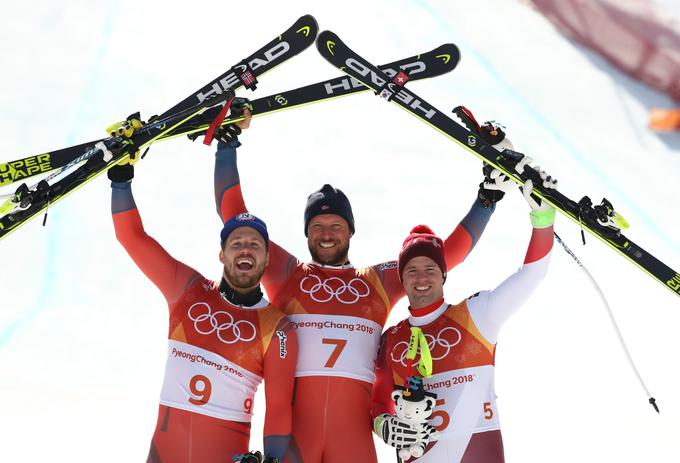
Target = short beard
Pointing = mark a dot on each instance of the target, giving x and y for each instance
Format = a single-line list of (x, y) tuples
[(339, 258), (243, 281)]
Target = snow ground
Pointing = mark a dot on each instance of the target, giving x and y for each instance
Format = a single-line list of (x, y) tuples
[(82, 332)]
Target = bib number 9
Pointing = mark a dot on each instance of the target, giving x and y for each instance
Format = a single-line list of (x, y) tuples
[(200, 388)]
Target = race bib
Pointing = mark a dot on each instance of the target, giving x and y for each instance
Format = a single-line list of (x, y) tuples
[(203, 382), (466, 401), (336, 346)]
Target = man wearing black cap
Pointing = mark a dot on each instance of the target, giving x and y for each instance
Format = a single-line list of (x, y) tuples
[(338, 311), (223, 340), (456, 342)]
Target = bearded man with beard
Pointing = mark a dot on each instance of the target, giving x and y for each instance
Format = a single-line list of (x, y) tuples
[(338, 310), (223, 340)]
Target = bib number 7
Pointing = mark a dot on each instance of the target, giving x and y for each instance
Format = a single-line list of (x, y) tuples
[(337, 350)]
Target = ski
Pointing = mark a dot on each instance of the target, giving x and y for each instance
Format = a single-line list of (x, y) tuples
[(600, 220), (433, 63), (100, 155), (293, 41)]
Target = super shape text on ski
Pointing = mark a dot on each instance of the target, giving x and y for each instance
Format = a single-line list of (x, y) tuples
[(293, 41)]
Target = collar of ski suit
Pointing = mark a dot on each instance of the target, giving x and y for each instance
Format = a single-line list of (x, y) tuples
[(252, 300), (428, 314), (344, 266)]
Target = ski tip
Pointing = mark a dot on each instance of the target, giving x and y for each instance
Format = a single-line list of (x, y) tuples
[(307, 25), (448, 54), (326, 42)]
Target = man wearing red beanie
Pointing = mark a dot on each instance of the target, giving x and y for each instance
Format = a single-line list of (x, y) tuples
[(458, 341), (338, 311)]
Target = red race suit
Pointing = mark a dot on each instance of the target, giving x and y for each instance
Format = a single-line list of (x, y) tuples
[(218, 353)]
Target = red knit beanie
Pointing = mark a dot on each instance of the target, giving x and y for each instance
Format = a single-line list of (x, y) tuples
[(422, 242)]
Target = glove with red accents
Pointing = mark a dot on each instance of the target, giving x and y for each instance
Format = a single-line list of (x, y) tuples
[(493, 187)]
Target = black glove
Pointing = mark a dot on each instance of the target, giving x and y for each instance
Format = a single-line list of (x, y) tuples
[(120, 174), (256, 457), (490, 131), (238, 104), (230, 133), (124, 171), (493, 187)]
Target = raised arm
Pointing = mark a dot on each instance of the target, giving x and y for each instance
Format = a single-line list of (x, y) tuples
[(229, 202), (228, 195), (279, 381), (490, 309), (457, 246), (465, 236), (167, 273)]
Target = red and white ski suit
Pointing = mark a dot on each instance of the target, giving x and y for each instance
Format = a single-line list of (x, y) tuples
[(218, 353), (462, 340)]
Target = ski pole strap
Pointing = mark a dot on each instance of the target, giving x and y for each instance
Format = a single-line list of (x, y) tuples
[(419, 342), (217, 122), (245, 74)]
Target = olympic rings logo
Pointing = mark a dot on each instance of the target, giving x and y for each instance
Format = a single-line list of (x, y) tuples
[(206, 322), (334, 287), (439, 346)]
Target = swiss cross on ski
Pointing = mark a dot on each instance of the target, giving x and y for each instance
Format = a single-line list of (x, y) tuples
[(245, 74), (389, 90)]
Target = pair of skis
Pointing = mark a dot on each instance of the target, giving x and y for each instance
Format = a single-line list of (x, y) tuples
[(600, 220), (192, 116), (195, 113)]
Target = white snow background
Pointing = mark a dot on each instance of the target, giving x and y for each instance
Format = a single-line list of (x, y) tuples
[(83, 332)]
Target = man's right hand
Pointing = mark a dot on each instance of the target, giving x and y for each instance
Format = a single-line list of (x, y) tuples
[(229, 133), (396, 432), (494, 186), (124, 171)]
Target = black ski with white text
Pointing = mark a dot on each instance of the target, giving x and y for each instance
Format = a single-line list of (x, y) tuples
[(102, 154), (589, 217), (433, 63)]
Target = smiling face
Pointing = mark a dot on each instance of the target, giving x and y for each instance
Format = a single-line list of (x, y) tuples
[(328, 239), (423, 282), (244, 256)]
